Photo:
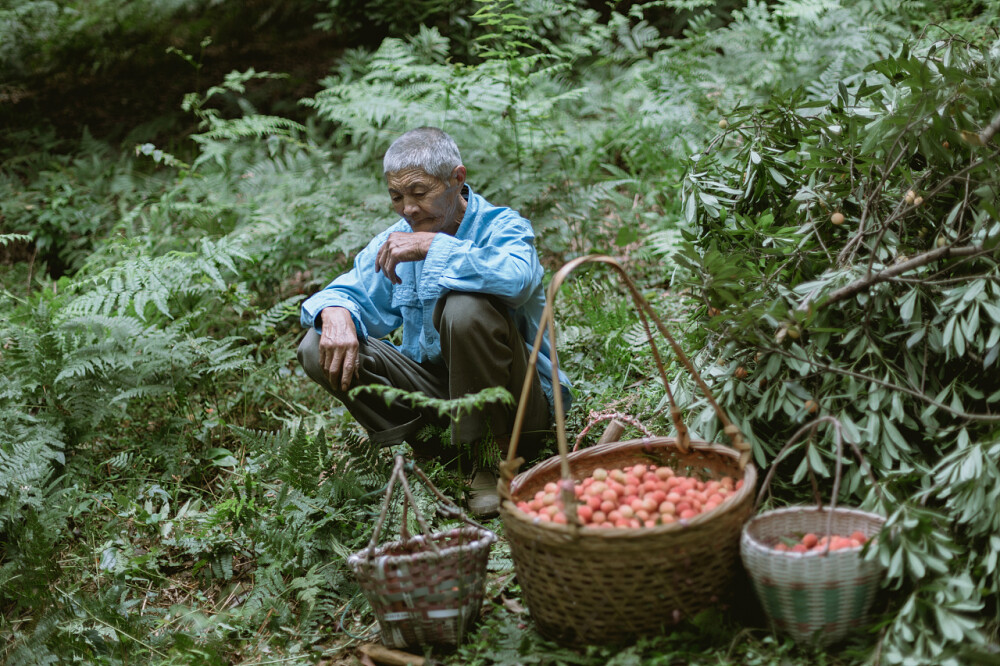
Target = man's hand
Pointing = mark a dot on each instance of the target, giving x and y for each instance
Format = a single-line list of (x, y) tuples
[(402, 246), (338, 347)]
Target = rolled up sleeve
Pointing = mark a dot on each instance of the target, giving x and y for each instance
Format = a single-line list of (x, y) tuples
[(363, 292)]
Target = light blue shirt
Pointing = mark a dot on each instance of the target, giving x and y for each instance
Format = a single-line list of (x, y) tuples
[(493, 252)]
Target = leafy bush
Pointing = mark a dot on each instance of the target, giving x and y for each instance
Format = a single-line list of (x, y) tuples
[(395, 18), (37, 37), (40, 38), (844, 252)]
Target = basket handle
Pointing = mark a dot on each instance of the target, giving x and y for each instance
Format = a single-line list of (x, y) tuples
[(448, 508), (811, 428), (508, 468)]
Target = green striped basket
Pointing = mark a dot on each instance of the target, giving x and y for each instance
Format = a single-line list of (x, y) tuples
[(817, 597)]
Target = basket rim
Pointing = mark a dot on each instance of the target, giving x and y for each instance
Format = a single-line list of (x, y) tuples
[(484, 539), (749, 471), (749, 541)]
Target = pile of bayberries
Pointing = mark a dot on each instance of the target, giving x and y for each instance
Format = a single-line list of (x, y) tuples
[(636, 496), (810, 543)]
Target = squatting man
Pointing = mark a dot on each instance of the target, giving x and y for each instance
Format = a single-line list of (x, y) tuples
[(462, 278)]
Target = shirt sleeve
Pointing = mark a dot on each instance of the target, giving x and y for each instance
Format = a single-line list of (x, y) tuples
[(363, 292), (502, 262)]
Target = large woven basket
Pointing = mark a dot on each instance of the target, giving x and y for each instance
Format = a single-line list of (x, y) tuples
[(587, 585), (425, 589), (816, 597)]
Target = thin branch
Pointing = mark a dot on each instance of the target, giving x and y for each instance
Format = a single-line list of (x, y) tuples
[(987, 134), (938, 277), (961, 173), (945, 281), (848, 250), (893, 271), (990, 418)]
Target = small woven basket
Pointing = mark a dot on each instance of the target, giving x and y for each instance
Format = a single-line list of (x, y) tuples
[(816, 597), (589, 585), (425, 589)]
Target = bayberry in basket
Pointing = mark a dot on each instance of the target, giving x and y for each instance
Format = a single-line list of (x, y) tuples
[(810, 543), (634, 496)]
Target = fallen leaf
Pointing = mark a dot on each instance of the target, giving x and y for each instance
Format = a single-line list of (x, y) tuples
[(514, 606)]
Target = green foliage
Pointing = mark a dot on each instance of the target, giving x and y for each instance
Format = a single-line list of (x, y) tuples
[(885, 321), (38, 35), (416, 84), (395, 17), (50, 37), (505, 641), (71, 200), (173, 490), (455, 409)]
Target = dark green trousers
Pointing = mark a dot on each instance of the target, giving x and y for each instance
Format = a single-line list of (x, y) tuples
[(481, 348)]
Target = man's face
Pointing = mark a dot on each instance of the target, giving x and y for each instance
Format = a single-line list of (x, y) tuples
[(425, 202)]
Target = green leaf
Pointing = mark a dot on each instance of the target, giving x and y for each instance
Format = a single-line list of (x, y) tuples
[(778, 178), (992, 311), (916, 566), (906, 306), (220, 457), (690, 209)]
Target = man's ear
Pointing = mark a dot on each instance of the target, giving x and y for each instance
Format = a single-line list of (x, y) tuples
[(458, 175)]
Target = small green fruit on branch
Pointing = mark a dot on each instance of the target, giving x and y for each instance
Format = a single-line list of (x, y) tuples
[(893, 271)]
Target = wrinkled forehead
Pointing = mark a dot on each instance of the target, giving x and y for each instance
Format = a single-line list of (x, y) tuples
[(406, 179)]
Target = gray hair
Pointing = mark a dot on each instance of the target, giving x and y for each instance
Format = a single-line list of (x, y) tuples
[(426, 148)]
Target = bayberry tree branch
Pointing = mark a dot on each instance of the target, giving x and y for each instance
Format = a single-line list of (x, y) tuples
[(973, 416), (849, 250), (864, 283), (987, 134)]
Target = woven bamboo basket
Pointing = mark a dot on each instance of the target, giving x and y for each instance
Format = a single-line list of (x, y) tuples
[(425, 589), (588, 585), (816, 597)]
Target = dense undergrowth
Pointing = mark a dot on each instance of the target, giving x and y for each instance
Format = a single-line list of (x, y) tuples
[(172, 489)]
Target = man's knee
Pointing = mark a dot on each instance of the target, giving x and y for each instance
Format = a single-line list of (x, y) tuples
[(460, 313), (308, 355)]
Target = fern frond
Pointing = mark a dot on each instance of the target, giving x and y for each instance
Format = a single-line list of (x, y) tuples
[(807, 10), (282, 311), (255, 126), (32, 648), (121, 460), (7, 239), (357, 468), (262, 442), (457, 407), (28, 451), (303, 462), (133, 286)]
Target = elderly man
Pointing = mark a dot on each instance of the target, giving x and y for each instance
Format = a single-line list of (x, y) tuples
[(462, 278)]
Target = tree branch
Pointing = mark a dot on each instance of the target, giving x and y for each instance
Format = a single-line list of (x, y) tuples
[(990, 130), (893, 271), (989, 418)]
